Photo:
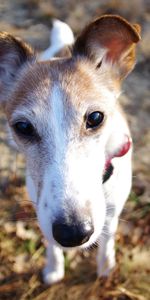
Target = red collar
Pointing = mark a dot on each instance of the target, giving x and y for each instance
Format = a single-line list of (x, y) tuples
[(119, 153)]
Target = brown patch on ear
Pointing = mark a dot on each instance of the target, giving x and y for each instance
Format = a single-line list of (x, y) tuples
[(13, 55), (114, 34)]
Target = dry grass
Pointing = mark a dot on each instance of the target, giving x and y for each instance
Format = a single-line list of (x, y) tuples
[(22, 256)]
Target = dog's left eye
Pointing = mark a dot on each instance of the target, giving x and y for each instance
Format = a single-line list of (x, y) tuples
[(94, 119), (24, 128)]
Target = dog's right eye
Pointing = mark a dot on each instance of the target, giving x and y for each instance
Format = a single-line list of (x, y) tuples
[(24, 128), (94, 119)]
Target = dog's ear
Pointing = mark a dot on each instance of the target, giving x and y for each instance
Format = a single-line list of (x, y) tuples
[(13, 55), (111, 38)]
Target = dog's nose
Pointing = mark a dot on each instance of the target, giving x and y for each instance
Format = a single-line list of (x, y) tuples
[(72, 235)]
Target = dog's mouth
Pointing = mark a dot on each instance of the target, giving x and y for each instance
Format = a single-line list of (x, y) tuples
[(123, 149)]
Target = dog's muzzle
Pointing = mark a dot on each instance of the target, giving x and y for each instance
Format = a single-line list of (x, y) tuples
[(72, 232)]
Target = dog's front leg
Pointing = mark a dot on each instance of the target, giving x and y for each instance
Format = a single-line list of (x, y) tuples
[(54, 269), (106, 251)]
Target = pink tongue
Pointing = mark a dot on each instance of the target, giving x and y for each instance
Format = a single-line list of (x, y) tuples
[(121, 152), (124, 149)]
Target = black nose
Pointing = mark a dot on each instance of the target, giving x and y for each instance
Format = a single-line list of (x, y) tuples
[(72, 235)]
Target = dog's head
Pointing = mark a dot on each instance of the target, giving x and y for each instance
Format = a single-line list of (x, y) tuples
[(62, 115)]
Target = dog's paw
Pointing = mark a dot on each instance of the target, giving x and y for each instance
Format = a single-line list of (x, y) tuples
[(51, 277)]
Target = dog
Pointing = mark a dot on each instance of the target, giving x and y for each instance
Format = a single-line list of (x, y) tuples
[(64, 116)]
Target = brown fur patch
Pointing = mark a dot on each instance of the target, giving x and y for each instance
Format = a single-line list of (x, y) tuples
[(77, 78)]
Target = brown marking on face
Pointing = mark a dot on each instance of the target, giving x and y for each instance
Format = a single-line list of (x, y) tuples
[(80, 84), (37, 80), (32, 85)]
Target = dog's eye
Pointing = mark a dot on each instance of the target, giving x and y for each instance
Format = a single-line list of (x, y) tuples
[(24, 128), (94, 119)]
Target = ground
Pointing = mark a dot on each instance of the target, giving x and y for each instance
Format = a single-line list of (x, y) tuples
[(21, 243)]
